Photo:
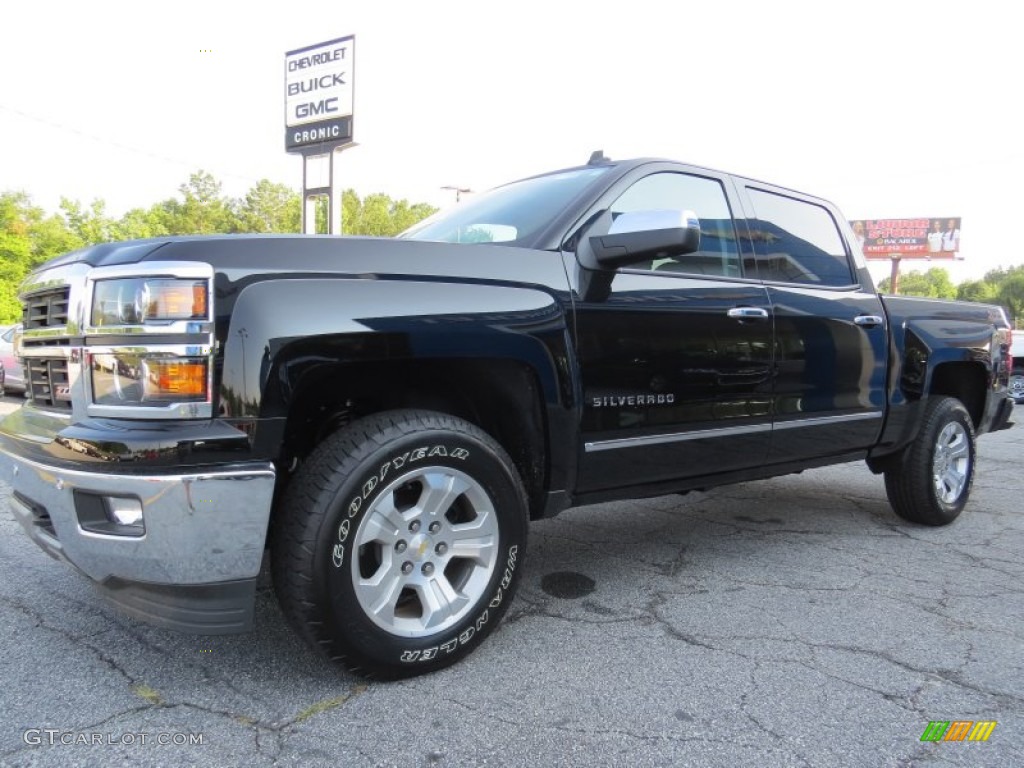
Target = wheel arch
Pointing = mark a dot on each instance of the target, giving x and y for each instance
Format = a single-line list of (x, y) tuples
[(304, 357), (951, 358), (501, 396)]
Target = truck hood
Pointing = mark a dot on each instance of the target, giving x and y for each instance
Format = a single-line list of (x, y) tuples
[(239, 256)]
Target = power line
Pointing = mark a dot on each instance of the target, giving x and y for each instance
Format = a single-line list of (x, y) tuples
[(120, 146)]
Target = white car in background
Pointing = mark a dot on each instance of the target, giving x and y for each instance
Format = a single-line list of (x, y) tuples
[(14, 376), (1017, 375)]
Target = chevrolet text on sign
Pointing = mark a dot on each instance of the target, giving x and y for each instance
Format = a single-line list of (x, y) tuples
[(318, 93)]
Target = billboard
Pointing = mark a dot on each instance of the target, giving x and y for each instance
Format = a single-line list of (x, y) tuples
[(318, 84), (934, 238)]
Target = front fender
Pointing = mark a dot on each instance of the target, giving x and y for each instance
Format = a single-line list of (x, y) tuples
[(276, 322)]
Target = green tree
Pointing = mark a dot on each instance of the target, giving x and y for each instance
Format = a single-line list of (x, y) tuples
[(52, 237), (138, 224), (90, 225), (15, 257), (375, 217), (202, 211), (270, 207), (976, 290), (27, 238), (1011, 295), (1007, 289), (379, 215), (935, 283), (1000, 274)]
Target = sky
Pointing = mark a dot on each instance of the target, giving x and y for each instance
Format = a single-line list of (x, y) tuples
[(888, 109)]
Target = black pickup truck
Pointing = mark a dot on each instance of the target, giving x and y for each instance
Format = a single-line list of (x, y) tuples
[(387, 415)]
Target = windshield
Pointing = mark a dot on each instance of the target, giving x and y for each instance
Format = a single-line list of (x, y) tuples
[(510, 214)]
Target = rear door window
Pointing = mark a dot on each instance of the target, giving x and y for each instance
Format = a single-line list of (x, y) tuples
[(797, 241)]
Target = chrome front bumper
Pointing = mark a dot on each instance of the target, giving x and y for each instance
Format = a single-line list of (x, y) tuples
[(193, 569)]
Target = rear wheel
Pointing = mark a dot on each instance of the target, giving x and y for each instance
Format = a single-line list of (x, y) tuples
[(399, 542), (1017, 384), (931, 482)]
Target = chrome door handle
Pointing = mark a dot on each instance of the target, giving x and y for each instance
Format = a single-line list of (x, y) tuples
[(868, 321), (748, 313)]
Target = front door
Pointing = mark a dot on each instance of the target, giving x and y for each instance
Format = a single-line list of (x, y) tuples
[(676, 357)]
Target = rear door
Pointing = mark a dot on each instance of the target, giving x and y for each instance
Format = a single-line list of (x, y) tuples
[(830, 340)]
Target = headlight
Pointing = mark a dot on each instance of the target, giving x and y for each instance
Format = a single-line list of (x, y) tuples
[(137, 301), (130, 378)]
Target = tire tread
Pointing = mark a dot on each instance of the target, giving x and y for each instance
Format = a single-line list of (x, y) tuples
[(296, 524), (908, 481)]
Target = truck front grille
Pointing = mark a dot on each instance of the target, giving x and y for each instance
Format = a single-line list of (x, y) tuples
[(47, 381), (46, 309)]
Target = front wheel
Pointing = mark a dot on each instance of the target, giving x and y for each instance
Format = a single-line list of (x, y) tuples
[(932, 480), (399, 542)]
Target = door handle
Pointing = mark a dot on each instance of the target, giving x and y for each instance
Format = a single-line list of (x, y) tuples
[(868, 321), (748, 313)]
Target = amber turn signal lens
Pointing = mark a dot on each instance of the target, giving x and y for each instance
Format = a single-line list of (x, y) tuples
[(176, 299), (177, 379)]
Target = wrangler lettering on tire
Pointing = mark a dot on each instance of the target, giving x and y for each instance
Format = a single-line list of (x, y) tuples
[(398, 544)]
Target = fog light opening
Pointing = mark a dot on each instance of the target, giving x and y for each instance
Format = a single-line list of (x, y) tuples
[(122, 511), (109, 515)]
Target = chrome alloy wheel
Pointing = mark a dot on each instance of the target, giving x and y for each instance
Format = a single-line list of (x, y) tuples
[(951, 464), (1017, 386), (425, 551)]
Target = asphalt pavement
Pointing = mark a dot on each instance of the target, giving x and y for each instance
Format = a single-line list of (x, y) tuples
[(791, 622)]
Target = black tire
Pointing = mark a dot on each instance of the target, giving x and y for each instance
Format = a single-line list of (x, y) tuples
[(931, 482), (332, 568)]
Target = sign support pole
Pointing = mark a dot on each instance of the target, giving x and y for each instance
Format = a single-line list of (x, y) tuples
[(309, 198), (894, 276), (334, 198), (331, 190)]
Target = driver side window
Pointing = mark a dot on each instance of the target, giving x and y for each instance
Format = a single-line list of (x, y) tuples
[(719, 250)]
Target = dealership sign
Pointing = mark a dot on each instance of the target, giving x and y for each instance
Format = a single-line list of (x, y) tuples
[(934, 238), (318, 83)]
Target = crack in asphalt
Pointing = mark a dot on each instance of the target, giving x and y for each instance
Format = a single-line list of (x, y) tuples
[(650, 615), (562, 727), (280, 730), (745, 710), (81, 640)]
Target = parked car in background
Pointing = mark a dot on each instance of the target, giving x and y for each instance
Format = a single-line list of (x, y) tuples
[(1017, 375), (14, 377)]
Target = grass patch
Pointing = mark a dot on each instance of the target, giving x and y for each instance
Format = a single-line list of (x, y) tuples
[(327, 704), (145, 692)]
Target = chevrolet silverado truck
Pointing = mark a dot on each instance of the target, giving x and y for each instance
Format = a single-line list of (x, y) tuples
[(386, 416)]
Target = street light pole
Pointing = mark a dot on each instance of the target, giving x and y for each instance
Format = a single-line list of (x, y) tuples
[(458, 191)]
